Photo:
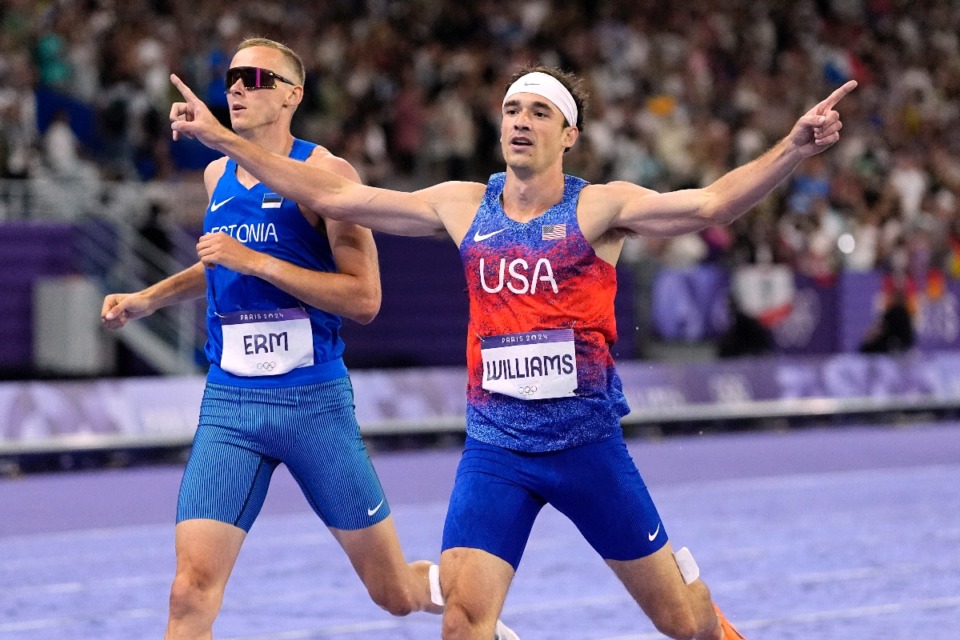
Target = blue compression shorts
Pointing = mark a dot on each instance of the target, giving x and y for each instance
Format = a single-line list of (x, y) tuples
[(245, 433), (498, 494)]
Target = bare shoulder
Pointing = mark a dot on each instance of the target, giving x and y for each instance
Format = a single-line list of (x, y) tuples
[(213, 173), (216, 167), (607, 200), (323, 158), (456, 204), (601, 205), (616, 190), (454, 200), (458, 193)]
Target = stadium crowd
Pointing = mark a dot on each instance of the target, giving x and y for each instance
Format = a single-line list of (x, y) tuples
[(405, 90)]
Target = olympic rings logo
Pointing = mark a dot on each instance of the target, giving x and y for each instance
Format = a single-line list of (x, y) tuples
[(266, 366), (528, 390)]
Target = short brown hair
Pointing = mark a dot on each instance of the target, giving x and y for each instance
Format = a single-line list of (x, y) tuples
[(571, 82), (288, 53)]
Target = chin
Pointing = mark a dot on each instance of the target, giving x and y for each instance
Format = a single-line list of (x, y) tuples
[(518, 159), (524, 162)]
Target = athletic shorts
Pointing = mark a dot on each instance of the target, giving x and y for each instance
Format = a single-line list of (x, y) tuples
[(245, 433), (499, 492)]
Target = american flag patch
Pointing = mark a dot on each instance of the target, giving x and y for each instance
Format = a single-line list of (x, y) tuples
[(271, 201), (554, 231)]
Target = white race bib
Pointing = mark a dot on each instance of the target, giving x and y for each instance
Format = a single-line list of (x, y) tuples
[(535, 365), (266, 343)]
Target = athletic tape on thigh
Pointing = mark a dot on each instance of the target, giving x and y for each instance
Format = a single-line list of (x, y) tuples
[(688, 566), (436, 595)]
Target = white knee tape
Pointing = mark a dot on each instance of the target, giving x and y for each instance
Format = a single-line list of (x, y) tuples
[(436, 595), (688, 566)]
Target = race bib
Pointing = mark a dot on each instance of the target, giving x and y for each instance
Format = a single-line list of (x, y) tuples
[(266, 343), (535, 365)]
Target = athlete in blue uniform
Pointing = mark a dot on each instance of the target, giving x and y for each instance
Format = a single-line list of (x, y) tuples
[(277, 278), (544, 399)]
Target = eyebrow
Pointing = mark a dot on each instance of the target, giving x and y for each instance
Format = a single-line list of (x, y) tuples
[(513, 102)]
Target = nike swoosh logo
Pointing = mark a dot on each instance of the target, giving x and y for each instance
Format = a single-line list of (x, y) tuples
[(216, 205), (480, 237), (653, 536), (370, 512)]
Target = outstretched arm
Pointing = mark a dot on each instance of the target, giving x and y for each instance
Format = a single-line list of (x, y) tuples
[(191, 283), (668, 214), (338, 198)]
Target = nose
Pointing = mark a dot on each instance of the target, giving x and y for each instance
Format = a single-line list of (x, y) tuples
[(237, 87), (522, 120)]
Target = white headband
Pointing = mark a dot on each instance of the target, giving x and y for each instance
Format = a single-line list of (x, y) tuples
[(543, 84)]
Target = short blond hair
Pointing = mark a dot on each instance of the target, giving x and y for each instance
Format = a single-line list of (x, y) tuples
[(287, 52)]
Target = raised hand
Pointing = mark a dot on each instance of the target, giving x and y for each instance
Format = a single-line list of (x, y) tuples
[(819, 128), (193, 119)]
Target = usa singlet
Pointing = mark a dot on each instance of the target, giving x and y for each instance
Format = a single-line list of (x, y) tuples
[(257, 334), (541, 376)]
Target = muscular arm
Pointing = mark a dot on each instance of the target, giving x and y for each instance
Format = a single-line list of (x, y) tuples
[(639, 210), (352, 292), (340, 199), (313, 186), (678, 212), (119, 308), (189, 284)]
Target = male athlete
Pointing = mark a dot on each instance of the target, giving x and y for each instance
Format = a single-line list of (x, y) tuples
[(544, 400), (278, 277)]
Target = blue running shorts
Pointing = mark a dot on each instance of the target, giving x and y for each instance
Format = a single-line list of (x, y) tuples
[(245, 433), (499, 492)]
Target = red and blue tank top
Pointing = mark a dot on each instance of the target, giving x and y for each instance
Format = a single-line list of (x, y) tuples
[(540, 373)]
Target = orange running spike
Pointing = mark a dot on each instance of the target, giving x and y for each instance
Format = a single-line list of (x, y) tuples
[(729, 631)]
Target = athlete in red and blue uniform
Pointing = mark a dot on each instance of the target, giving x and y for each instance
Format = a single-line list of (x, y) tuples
[(529, 277), (544, 401), (542, 428)]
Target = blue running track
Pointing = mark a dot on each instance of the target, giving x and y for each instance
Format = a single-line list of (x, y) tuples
[(841, 533)]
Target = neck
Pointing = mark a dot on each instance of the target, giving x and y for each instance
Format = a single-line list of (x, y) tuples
[(271, 139), (528, 195), (280, 144)]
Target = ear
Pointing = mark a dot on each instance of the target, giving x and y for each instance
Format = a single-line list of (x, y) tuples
[(570, 135), (295, 97)]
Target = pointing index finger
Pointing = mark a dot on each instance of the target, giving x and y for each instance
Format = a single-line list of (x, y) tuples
[(184, 90), (836, 96)]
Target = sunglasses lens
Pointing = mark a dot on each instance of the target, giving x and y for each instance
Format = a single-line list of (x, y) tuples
[(252, 77)]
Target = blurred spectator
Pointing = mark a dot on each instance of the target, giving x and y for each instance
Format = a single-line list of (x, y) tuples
[(864, 238), (155, 243), (69, 179), (18, 119), (61, 150), (451, 132), (680, 95), (53, 68), (746, 336), (893, 331), (407, 124), (820, 257), (910, 181)]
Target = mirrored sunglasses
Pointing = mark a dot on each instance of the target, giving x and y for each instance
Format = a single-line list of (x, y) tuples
[(255, 78)]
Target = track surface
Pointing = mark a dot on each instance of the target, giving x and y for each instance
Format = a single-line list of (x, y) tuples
[(824, 533)]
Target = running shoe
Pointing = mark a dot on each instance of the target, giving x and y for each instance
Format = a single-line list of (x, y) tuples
[(503, 632), (729, 631)]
